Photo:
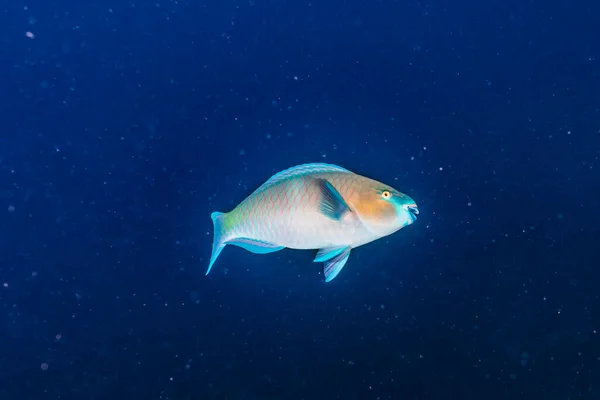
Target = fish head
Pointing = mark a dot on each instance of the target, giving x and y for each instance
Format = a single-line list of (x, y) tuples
[(384, 210)]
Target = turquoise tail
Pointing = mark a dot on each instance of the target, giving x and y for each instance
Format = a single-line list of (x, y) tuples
[(218, 237)]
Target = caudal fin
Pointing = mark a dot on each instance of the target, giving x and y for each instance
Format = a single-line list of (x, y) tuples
[(218, 237)]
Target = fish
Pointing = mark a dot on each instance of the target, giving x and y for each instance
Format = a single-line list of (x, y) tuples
[(315, 206)]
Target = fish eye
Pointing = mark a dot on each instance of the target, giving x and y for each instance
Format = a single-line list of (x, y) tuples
[(386, 194)]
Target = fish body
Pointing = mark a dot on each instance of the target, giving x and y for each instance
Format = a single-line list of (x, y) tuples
[(314, 206)]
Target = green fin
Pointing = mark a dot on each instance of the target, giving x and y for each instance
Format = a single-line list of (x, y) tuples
[(218, 242), (328, 253), (255, 246), (334, 265), (332, 202), (302, 169)]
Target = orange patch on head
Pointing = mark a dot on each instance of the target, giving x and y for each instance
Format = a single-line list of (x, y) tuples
[(371, 206)]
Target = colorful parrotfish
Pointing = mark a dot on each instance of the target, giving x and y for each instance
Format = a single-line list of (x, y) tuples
[(314, 206)]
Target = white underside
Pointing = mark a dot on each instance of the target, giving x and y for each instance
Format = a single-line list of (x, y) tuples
[(310, 230)]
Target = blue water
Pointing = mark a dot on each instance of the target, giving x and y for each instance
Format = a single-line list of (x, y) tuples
[(125, 124)]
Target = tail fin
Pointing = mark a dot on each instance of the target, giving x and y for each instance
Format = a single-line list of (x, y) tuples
[(218, 237)]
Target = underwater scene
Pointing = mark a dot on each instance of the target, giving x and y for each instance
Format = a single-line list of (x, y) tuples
[(303, 200)]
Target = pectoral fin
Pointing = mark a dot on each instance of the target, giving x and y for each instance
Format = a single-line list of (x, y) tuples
[(334, 258), (332, 204)]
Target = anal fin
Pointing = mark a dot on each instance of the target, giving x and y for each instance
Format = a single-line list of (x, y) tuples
[(255, 246)]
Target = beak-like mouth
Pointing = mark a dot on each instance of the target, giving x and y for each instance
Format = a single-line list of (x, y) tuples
[(414, 211)]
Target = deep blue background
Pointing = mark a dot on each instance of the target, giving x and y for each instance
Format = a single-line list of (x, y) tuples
[(124, 124)]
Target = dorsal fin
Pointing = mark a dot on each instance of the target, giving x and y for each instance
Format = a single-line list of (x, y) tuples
[(302, 169)]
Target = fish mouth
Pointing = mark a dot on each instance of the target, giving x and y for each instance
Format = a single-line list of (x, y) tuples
[(413, 211)]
